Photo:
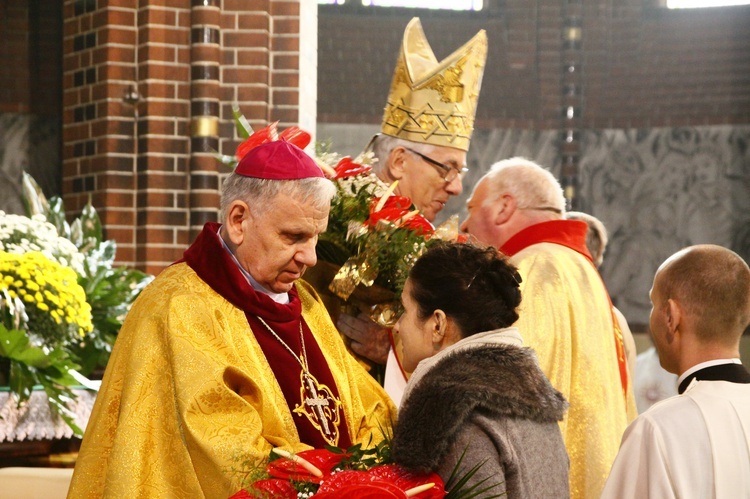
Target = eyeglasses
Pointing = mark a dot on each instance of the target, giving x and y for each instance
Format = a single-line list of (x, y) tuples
[(450, 173)]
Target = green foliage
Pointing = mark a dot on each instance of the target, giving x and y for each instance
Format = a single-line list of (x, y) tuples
[(109, 290), (457, 485), (27, 359), (31, 365)]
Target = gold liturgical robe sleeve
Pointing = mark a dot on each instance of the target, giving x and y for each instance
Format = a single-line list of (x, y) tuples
[(566, 317), (188, 403)]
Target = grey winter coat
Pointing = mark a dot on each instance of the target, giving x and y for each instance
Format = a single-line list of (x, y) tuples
[(489, 401)]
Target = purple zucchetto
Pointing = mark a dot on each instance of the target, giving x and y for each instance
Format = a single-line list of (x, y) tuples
[(278, 160)]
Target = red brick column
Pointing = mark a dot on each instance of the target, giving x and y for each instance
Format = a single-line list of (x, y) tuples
[(145, 82), (205, 54), (98, 126)]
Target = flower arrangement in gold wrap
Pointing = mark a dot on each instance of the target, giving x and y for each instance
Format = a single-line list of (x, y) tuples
[(61, 300)]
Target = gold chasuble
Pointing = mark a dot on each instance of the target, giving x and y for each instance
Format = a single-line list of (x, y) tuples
[(566, 317), (198, 388)]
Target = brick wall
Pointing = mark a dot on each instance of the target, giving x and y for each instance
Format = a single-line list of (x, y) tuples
[(641, 66), (147, 94)]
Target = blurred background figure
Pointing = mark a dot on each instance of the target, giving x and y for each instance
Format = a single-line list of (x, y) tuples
[(596, 242)]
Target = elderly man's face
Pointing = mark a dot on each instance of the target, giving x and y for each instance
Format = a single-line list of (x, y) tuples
[(279, 243), (424, 183), (479, 223)]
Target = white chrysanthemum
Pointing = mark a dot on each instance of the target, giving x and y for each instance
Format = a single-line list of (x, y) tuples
[(20, 234)]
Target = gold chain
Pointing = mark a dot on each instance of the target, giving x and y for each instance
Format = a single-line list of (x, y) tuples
[(302, 362)]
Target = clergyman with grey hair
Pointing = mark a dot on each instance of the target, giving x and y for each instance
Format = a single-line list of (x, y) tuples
[(228, 354), (566, 315)]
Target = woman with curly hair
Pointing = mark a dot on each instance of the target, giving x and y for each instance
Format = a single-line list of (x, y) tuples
[(477, 399)]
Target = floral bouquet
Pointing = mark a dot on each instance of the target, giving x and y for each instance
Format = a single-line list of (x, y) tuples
[(331, 473), (61, 300), (362, 473)]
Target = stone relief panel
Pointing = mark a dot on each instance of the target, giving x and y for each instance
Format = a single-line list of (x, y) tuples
[(660, 190)]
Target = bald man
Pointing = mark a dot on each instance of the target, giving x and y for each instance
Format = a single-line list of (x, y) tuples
[(696, 444)]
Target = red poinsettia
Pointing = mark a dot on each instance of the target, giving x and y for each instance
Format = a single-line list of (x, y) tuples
[(294, 135), (347, 168)]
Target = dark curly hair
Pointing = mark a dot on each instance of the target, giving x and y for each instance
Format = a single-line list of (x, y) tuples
[(475, 286)]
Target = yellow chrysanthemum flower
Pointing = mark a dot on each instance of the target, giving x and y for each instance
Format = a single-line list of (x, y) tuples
[(56, 304)]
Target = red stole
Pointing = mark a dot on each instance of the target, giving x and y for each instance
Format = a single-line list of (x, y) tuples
[(571, 234), (213, 264)]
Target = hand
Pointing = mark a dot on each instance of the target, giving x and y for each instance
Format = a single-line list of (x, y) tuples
[(368, 339)]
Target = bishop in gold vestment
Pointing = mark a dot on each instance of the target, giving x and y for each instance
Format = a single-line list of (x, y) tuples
[(208, 373)]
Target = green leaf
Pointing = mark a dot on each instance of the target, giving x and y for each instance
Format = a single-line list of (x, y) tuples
[(457, 487), (91, 223), (243, 126), (56, 216), (34, 199), (226, 160), (14, 344)]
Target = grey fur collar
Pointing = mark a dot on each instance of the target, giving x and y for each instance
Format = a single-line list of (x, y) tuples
[(496, 380)]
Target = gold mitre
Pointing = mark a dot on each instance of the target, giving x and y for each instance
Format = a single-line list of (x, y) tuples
[(435, 102)]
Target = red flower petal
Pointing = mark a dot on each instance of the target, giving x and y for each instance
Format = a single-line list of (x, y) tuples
[(373, 490), (348, 168), (295, 135), (262, 136), (273, 487), (393, 202), (406, 480), (420, 225), (242, 494), (323, 459)]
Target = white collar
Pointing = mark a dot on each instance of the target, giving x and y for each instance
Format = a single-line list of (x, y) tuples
[(703, 365)]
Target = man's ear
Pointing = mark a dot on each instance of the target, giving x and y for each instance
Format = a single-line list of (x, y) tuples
[(397, 164), (237, 213), (503, 208), (674, 319)]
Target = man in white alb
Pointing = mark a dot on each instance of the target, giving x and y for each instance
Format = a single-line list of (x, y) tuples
[(696, 444)]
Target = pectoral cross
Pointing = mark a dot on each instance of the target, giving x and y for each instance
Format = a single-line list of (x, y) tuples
[(320, 407), (316, 403)]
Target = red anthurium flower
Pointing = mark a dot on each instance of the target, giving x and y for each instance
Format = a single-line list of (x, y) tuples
[(392, 202), (295, 135), (262, 136), (273, 487), (359, 484), (322, 459), (372, 490), (397, 208), (462, 238), (348, 168), (420, 225), (242, 494), (406, 480)]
